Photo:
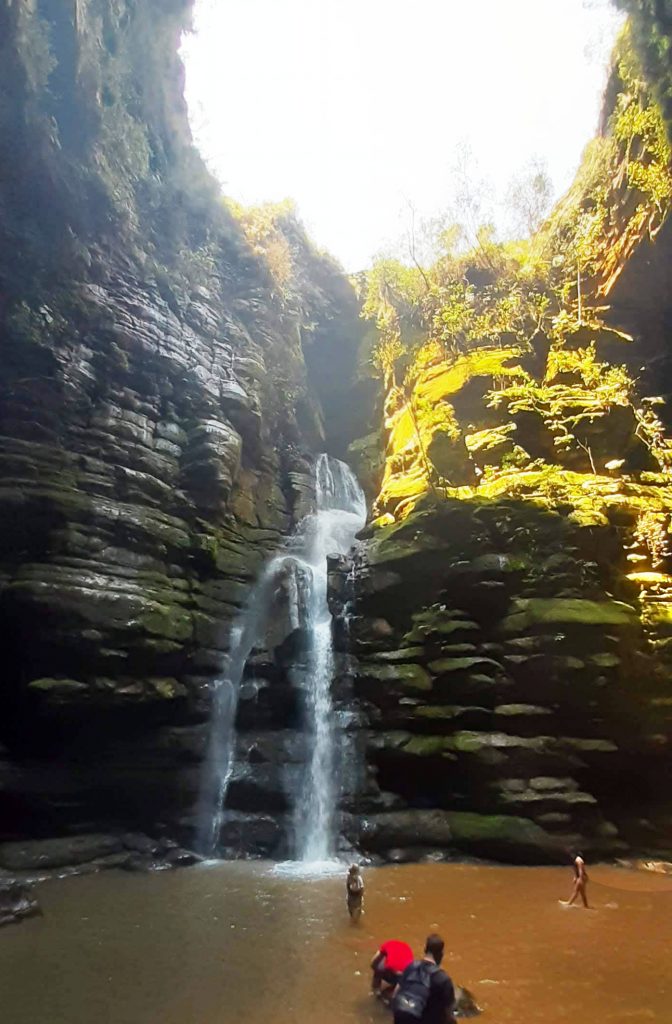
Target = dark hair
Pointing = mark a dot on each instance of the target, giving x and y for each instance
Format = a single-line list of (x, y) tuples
[(434, 946)]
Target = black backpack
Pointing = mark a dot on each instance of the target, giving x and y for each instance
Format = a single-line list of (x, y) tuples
[(414, 987)]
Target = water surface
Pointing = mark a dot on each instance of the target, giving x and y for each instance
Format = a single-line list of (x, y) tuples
[(238, 942)]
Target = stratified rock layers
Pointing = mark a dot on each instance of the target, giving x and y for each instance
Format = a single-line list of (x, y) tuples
[(155, 423), (504, 688)]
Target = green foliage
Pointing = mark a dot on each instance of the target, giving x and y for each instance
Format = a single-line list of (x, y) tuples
[(394, 299), (513, 293), (622, 193), (263, 227), (638, 125), (538, 304), (651, 29)]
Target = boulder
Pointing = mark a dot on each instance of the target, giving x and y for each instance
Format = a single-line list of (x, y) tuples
[(36, 854), (16, 903), (465, 1003), (505, 837)]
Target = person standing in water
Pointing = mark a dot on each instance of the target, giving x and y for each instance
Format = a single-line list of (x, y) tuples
[(580, 882), (354, 888)]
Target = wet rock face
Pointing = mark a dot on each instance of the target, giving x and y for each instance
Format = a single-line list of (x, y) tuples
[(156, 430), (509, 695), (136, 513), (16, 903)]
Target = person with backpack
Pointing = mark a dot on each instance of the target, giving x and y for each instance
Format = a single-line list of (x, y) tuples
[(425, 994)]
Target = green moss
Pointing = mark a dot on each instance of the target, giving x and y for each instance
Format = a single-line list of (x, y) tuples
[(444, 666), (493, 437), (468, 742), (513, 710), (444, 711), (58, 687), (410, 677), (161, 646), (605, 660), (405, 654), (168, 621), (531, 612), (426, 746), (438, 621), (498, 828), (167, 688)]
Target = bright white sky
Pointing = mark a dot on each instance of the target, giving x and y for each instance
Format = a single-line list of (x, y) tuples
[(354, 108)]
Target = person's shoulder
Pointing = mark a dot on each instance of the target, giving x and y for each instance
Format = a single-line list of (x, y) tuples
[(442, 978)]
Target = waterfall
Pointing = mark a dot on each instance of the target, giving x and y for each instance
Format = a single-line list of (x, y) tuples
[(341, 513), (298, 578)]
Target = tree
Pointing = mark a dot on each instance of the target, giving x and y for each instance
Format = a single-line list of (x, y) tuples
[(529, 196)]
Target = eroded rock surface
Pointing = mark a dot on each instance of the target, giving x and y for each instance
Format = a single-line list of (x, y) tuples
[(157, 430)]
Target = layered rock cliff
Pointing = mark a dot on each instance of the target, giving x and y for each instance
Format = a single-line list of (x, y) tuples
[(513, 615), (157, 424)]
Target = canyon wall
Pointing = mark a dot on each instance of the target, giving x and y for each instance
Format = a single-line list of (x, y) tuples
[(157, 426), (513, 618)]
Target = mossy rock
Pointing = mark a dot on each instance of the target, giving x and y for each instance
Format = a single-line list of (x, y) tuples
[(445, 712), (367, 458), (528, 613), (408, 677), (167, 688), (169, 621), (475, 742), (514, 710), (427, 746), (510, 838), (444, 666), (404, 654), (58, 688), (606, 660), (426, 630)]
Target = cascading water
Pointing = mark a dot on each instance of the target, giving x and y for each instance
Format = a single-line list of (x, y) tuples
[(341, 513), (301, 574)]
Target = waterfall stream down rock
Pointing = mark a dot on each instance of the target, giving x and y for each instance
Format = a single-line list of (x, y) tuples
[(292, 589)]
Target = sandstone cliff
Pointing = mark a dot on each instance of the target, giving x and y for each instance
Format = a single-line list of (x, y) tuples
[(513, 619), (156, 420)]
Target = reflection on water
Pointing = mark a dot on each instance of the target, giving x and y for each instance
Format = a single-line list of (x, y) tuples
[(248, 943)]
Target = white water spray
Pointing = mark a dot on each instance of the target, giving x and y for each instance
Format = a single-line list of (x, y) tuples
[(341, 513)]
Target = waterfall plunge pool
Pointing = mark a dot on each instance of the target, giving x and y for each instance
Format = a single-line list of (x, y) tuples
[(250, 943)]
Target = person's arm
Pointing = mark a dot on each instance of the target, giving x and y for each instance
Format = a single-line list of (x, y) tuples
[(377, 960), (398, 985), (449, 1001)]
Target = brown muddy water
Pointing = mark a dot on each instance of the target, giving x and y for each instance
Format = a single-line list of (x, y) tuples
[(237, 942)]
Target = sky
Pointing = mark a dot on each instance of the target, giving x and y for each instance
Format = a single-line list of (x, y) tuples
[(361, 110)]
